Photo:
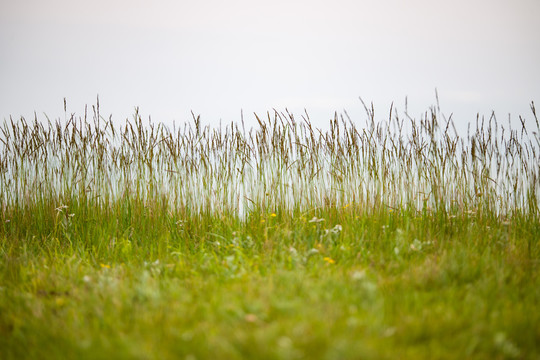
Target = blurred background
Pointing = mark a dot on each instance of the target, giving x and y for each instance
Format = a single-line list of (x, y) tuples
[(218, 58)]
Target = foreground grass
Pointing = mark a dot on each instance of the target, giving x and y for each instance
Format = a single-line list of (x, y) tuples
[(330, 284)]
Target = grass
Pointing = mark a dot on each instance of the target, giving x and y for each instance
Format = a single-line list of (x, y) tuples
[(397, 239)]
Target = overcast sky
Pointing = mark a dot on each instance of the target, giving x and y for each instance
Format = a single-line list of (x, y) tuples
[(218, 57)]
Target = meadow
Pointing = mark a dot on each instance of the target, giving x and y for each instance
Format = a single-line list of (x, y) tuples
[(387, 237)]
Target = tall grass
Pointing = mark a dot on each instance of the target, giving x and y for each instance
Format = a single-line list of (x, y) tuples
[(284, 164)]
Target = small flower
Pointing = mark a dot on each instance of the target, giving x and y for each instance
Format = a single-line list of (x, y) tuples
[(346, 206), (416, 245), (105, 266), (329, 260), (358, 275), (273, 215), (61, 208)]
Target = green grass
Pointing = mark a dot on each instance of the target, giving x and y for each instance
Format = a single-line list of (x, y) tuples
[(144, 243)]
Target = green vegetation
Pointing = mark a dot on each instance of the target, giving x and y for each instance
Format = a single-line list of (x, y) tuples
[(397, 239)]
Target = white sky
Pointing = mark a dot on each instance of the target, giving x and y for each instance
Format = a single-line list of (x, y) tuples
[(217, 57)]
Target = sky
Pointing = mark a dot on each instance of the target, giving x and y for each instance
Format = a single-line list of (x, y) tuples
[(221, 58)]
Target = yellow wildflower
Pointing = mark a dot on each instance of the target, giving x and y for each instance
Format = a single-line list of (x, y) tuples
[(329, 260)]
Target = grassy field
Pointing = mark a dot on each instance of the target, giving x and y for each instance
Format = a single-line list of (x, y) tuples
[(391, 239)]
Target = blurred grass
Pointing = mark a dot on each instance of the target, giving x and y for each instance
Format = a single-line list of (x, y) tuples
[(386, 285)]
